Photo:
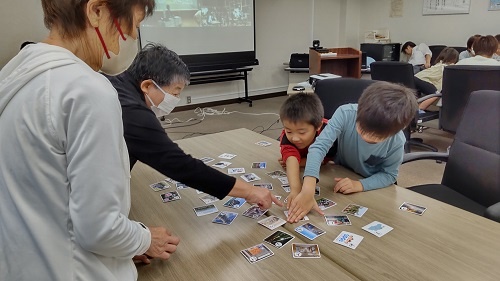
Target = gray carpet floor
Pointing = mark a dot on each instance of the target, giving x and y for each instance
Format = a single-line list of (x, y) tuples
[(267, 123)]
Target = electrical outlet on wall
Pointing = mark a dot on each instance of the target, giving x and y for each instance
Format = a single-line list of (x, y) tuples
[(188, 99)]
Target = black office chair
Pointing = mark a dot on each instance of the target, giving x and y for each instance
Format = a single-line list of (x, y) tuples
[(458, 82), (471, 178), (436, 50), (459, 49), (338, 91), (402, 73)]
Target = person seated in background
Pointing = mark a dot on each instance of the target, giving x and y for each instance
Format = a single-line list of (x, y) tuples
[(484, 49), (497, 54), (430, 80), (370, 142), (150, 88), (469, 52), (419, 56), (302, 118)]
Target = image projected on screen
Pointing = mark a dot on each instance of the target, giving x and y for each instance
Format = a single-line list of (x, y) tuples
[(207, 34), (193, 13)]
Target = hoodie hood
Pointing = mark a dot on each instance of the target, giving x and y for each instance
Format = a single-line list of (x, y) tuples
[(30, 62)]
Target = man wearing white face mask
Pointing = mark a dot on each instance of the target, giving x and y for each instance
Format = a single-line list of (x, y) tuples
[(150, 88)]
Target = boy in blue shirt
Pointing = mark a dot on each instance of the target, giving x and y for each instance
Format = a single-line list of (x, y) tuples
[(370, 142)]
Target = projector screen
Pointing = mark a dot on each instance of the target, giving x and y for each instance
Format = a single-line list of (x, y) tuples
[(207, 34)]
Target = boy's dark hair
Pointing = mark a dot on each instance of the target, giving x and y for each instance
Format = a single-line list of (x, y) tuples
[(498, 38), (448, 56), (405, 46), (303, 107), (160, 64), (385, 108), (485, 46)]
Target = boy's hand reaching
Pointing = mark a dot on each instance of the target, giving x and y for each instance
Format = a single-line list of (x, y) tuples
[(346, 186), (300, 206), (282, 163), (290, 198)]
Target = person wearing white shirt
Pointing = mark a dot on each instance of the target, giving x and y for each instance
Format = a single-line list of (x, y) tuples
[(484, 49), (64, 174), (469, 52), (419, 56), (497, 54)]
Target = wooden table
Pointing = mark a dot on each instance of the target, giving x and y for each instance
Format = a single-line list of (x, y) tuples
[(210, 251), (445, 243)]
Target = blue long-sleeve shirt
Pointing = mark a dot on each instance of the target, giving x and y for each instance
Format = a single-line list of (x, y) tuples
[(378, 163)]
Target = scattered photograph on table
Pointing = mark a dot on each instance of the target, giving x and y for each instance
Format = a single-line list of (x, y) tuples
[(225, 218), (325, 203), (317, 191), (235, 202), (159, 186), (254, 212), (263, 143), (305, 218), (349, 240), (337, 220), (257, 253), (264, 185), (283, 180), (304, 251), (276, 174), (377, 228), (172, 181), (180, 185), (286, 187), (205, 210), (286, 200), (234, 171), (250, 177), (208, 199), (206, 160), (227, 156), (309, 231), (277, 197), (198, 191), (170, 196), (279, 239), (412, 208), (355, 210), (272, 222), (221, 164), (259, 165)]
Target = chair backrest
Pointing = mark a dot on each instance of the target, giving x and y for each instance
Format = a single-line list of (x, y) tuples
[(458, 82), (436, 50), (459, 49), (393, 71), (474, 161), (339, 91)]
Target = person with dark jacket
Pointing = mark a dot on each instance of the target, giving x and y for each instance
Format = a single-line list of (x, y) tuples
[(150, 88)]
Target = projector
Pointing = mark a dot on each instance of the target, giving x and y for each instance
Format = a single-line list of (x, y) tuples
[(314, 78)]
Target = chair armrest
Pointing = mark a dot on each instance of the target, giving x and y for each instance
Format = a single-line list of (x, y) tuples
[(493, 212), (428, 97), (410, 157)]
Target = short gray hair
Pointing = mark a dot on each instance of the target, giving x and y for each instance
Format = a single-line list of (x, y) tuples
[(160, 64)]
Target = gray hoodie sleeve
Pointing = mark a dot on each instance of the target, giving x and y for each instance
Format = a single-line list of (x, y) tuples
[(98, 170)]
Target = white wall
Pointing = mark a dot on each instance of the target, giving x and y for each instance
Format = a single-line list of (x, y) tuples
[(287, 26), (450, 30), (282, 27), (20, 21)]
